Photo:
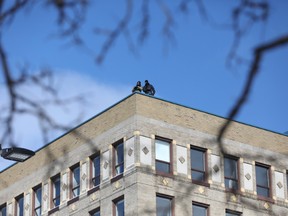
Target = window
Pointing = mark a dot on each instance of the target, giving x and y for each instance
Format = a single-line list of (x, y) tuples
[(95, 172), (75, 181), (3, 210), (163, 156), (95, 212), (118, 207), (55, 190), (232, 213), (262, 180), (198, 164), (19, 205), (37, 200), (231, 173), (164, 206), (118, 158), (199, 209)]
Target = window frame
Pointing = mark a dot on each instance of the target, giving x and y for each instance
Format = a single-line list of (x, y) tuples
[(206, 206), (204, 150), (93, 176), (72, 186), (115, 165), (94, 211), (115, 201), (170, 173), (269, 197), (172, 200), (53, 188), (34, 208), (235, 213), (238, 173), (17, 205)]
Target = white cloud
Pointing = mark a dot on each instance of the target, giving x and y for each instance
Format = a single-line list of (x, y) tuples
[(99, 96)]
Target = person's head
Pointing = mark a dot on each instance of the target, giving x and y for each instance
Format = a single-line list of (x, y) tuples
[(146, 81), (138, 83)]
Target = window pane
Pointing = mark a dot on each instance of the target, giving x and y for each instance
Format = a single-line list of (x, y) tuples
[(199, 210), (162, 150), (230, 168), (162, 167), (120, 208), (231, 184), (164, 206), (119, 154), (20, 206), (96, 171), (197, 159), (232, 214), (3, 210), (97, 213), (198, 176), (262, 176), (38, 196), (56, 191), (263, 191)]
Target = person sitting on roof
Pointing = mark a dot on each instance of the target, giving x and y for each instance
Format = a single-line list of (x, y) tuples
[(137, 88), (148, 88)]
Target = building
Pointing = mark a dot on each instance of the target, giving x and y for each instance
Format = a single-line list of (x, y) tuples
[(145, 155)]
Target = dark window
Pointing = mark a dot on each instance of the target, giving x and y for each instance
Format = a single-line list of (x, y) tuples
[(198, 164), (75, 181), (232, 213), (20, 205), (163, 206), (231, 173), (95, 170), (56, 190), (199, 209), (95, 212), (163, 156), (118, 158), (37, 200), (262, 180), (3, 210), (118, 207)]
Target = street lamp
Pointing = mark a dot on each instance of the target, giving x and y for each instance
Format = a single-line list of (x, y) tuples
[(16, 154)]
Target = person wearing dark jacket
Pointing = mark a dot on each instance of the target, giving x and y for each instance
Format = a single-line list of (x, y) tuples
[(137, 88), (148, 88)]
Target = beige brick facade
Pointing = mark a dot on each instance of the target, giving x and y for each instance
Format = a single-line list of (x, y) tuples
[(138, 120)]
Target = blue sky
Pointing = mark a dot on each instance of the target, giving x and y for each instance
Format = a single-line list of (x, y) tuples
[(190, 70)]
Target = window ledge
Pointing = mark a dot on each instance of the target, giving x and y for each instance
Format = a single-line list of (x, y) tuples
[(55, 209), (206, 184), (92, 190), (266, 199), (116, 178), (75, 199), (169, 175)]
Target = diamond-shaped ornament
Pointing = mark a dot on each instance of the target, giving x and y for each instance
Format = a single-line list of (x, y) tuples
[(145, 150), (248, 176), (181, 159), (27, 207), (84, 176), (64, 186), (266, 205), (279, 184), (105, 165), (216, 168), (130, 151), (45, 197)]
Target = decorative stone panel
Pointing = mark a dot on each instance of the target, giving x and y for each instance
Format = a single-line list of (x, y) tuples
[(216, 168), (45, 196), (64, 186), (248, 174), (84, 176), (27, 204), (145, 151), (105, 169), (279, 181), (10, 209), (181, 159), (130, 153)]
